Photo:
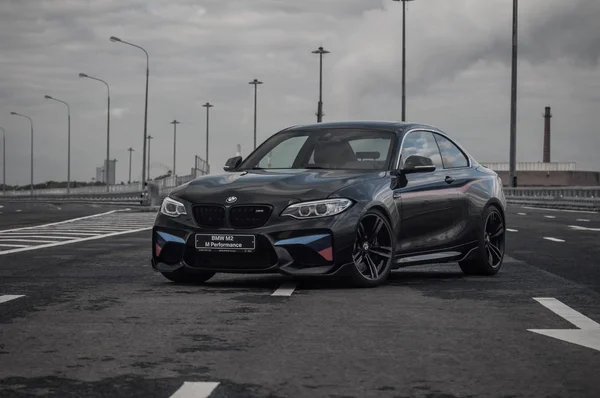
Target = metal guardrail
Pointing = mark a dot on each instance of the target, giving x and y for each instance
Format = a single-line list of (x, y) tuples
[(575, 198)]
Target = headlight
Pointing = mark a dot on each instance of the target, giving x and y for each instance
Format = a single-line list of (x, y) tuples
[(317, 209), (172, 208)]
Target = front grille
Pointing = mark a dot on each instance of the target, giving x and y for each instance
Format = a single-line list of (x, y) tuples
[(249, 216), (209, 215)]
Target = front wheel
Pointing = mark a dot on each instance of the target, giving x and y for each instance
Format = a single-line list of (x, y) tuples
[(180, 276), (373, 250), (489, 255)]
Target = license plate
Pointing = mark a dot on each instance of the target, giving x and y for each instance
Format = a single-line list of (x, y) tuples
[(225, 242)]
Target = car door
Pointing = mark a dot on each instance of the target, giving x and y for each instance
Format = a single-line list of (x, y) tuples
[(458, 173), (424, 200)]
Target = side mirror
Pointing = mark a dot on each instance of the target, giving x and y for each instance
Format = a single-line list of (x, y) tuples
[(418, 164), (232, 163)]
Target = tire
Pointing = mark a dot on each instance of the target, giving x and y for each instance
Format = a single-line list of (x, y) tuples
[(372, 263), (180, 276), (488, 256)]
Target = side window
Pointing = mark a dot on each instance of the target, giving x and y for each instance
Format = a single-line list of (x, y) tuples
[(421, 143), (451, 155), (284, 154)]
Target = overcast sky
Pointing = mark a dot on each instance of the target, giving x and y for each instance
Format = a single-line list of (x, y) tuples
[(458, 72)]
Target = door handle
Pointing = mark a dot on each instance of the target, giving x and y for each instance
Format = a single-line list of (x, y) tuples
[(449, 180)]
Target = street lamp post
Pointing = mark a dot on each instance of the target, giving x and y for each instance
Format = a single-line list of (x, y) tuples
[(130, 152), (83, 75), (513, 100), (31, 122), (174, 123), (208, 105), (403, 58), (320, 51), (255, 82), (149, 138), (68, 140), (3, 161), (117, 40)]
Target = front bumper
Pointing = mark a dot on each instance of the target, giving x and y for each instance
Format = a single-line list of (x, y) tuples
[(285, 245)]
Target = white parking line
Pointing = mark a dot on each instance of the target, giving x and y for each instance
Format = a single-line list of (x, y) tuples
[(512, 230), (195, 389), (553, 239), (578, 228), (582, 220), (522, 214), (3, 245), (549, 216), (60, 222), (286, 289), (579, 320), (560, 210), (8, 297)]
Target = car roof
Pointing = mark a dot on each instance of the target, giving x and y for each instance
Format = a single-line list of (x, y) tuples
[(368, 124)]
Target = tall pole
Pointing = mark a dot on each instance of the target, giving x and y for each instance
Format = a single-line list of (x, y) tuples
[(3, 161), (207, 106), (320, 51), (403, 58), (107, 171), (174, 123), (149, 138), (68, 140), (513, 99), (117, 40), (130, 153), (31, 122), (255, 82)]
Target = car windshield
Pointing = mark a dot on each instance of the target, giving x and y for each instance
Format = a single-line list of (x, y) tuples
[(343, 149)]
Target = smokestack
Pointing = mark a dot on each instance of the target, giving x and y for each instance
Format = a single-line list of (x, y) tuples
[(238, 150), (547, 116)]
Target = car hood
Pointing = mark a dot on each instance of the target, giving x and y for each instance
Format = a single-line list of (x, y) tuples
[(262, 186)]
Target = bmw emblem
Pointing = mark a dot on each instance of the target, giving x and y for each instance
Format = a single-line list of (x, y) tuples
[(231, 199)]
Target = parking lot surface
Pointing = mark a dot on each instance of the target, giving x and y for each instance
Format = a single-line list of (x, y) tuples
[(89, 318)]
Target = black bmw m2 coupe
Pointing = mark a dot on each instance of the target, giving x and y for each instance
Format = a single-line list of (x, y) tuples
[(351, 199)]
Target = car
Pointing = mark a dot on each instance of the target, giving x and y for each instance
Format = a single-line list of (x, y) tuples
[(353, 200)]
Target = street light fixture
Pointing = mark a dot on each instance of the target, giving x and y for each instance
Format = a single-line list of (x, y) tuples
[(31, 122), (403, 58), (83, 75), (255, 82), (117, 40), (208, 105), (320, 51), (68, 141)]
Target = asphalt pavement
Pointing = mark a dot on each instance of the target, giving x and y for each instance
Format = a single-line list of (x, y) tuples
[(89, 318)]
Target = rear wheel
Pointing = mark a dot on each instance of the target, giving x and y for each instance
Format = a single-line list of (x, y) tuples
[(373, 249), (180, 276), (488, 257)]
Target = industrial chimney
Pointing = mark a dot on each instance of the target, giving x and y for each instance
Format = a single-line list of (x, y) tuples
[(238, 151), (547, 116)]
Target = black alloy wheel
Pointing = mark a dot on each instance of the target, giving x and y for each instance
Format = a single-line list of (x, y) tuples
[(489, 255), (373, 250)]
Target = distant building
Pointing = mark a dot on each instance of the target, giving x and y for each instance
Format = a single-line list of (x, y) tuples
[(101, 176)]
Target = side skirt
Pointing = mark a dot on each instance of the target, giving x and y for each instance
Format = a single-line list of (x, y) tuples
[(448, 255)]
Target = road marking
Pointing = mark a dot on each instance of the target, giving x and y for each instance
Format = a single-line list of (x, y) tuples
[(587, 334), (549, 216), (561, 210), (578, 228), (75, 230), (522, 214), (61, 222), (512, 230), (286, 289), (195, 389), (3, 245), (8, 297), (582, 220), (18, 211), (553, 239)]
